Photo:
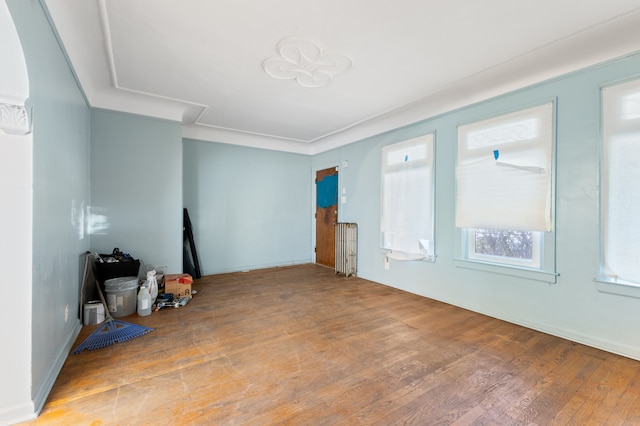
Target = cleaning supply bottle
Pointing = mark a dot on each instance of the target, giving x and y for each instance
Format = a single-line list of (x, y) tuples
[(144, 301), (152, 285)]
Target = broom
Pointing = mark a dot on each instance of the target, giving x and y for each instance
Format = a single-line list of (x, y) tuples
[(111, 331)]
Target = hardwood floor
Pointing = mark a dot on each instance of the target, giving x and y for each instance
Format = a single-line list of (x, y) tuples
[(302, 346)]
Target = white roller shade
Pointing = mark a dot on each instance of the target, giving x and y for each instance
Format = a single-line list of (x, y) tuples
[(407, 198), (503, 171), (620, 178)]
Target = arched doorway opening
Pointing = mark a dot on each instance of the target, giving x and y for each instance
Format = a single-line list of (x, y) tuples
[(16, 193)]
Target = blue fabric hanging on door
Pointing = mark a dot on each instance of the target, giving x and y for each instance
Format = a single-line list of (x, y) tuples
[(327, 191)]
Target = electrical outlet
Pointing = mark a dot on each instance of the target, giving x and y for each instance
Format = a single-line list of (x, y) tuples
[(66, 313)]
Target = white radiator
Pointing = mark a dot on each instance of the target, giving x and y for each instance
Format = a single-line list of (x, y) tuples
[(346, 248)]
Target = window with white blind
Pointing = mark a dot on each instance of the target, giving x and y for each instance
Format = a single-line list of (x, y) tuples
[(504, 193), (620, 177), (407, 199)]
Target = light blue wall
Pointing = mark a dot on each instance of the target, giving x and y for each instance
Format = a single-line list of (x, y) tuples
[(572, 307), (60, 191), (249, 208), (136, 183)]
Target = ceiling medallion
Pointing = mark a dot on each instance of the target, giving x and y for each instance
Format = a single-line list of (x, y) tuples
[(305, 62)]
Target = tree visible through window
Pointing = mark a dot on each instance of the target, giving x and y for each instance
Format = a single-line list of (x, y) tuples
[(504, 243)]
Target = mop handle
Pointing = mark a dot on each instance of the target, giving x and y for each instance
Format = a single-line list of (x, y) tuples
[(107, 316)]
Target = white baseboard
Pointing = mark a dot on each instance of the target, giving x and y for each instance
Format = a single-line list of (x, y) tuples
[(578, 337), (17, 413), (42, 390), (255, 267), (606, 345), (31, 409)]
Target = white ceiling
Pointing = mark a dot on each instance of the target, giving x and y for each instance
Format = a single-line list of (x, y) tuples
[(201, 62)]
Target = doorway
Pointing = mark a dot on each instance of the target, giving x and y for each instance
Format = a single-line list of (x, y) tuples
[(326, 216)]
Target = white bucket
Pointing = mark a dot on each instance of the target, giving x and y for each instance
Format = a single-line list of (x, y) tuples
[(93, 312), (121, 295)]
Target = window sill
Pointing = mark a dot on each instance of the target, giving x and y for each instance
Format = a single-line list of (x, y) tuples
[(512, 271), (604, 285)]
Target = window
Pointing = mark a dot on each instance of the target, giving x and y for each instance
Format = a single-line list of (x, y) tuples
[(620, 174), (504, 188), (517, 248), (407, 199)]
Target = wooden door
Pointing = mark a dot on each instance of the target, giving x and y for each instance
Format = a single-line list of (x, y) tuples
[(326, 216)]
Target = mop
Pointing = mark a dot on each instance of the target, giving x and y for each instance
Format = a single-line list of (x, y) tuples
[(111, 331)]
